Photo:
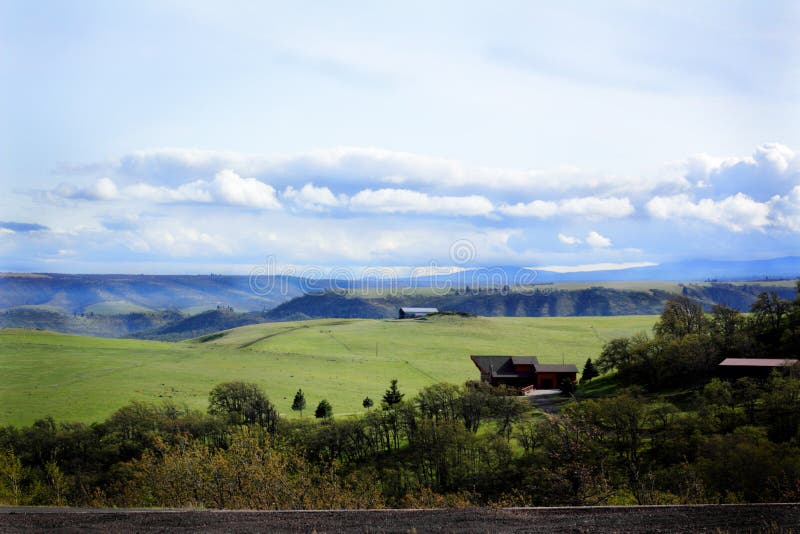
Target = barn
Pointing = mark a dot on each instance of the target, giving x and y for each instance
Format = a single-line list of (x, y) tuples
[(411, 313), (523, 371), (758, 368)]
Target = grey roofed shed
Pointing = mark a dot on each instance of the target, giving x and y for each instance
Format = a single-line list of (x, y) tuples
[(407, 312)]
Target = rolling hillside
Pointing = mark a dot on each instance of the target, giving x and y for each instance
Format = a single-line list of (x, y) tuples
[(82, 378), (561, 300), (121, 294)]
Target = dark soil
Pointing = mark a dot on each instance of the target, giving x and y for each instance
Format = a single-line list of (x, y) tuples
[(770, 518)]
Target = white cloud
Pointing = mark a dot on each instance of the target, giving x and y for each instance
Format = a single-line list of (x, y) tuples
[(776, 156), (102, 189), (356, 166), (227, 188), (568, 239), (786, 210), (313, 198), (237, 191), (597, 241), (593, 207), (770, 170), (737, 213), (408, 201)]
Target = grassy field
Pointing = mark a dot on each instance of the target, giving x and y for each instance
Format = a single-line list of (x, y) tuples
[(343, 360)]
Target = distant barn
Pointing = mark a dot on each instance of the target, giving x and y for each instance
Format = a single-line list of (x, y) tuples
[(760, 368), (523, 371), (410, 313)]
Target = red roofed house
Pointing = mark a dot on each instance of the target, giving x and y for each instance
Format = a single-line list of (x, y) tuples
[(523, 371)]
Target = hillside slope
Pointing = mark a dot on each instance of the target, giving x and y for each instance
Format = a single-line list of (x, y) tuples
[(118, 294), (85, 378), (543, 301)]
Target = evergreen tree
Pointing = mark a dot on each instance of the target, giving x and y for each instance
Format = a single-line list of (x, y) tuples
[(299, 403), (324, 410), (367, 403), (589, 371), (392, 395)]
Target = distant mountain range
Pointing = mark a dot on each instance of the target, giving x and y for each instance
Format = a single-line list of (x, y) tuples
[(684, 271)]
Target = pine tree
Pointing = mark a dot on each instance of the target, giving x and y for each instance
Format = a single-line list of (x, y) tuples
[(392, 395), (367, 403), (299, 403), (324, 410), (589, 371)]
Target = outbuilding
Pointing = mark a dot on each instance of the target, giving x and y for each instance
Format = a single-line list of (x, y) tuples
[(759, 368), (411, 313)]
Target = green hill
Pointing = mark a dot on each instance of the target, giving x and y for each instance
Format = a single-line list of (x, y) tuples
[(86, 379)]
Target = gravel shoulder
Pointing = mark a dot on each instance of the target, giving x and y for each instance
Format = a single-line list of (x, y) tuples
[(771, 518)]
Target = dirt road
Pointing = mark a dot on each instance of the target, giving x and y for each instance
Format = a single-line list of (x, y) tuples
[(771, 518)]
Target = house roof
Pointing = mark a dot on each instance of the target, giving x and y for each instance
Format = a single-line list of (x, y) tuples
[(503, 366), (553, 368), (756, 362), (419, 310)]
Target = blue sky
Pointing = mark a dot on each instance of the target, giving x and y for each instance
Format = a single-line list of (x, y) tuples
[(194, 137)]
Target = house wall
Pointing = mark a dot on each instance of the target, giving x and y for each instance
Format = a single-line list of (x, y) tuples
[(554, 379)]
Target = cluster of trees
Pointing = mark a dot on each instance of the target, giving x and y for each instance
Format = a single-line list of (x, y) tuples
[(448, 446), (688, 345), (453, 445)]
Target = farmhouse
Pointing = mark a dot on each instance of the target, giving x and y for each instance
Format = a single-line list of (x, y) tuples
[(410, 313), (760, 368), (523, 371)]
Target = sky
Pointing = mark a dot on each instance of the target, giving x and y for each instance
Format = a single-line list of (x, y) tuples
[(196, 137)]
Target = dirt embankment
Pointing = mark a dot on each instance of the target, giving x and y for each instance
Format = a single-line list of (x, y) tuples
[(771, 518)]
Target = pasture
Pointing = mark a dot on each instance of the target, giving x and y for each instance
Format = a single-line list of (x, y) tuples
[(76, 378)]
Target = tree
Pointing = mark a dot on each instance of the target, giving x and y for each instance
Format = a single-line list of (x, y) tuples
[(392, 395), (616, 353), (589, 371), (681, 316), (367, 403), (242, 403), (566, 386), (324, 410), (299, 403)]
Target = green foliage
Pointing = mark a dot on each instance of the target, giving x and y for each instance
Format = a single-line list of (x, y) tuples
[(681, 316), (299, 402), (367, 403), (589, 371), (324, 410), (392, 395), (242, 403), (688, 346)]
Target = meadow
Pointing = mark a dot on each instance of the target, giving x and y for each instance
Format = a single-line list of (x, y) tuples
[(76, 378)]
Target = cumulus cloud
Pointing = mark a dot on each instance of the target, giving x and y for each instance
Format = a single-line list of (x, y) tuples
[(593, 207), (102, 189), (313, 198), (568, 239), (597, 241), (227, 188), (408, 201), (772, 169), (737, 213), (356, 166), (786, 210)]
